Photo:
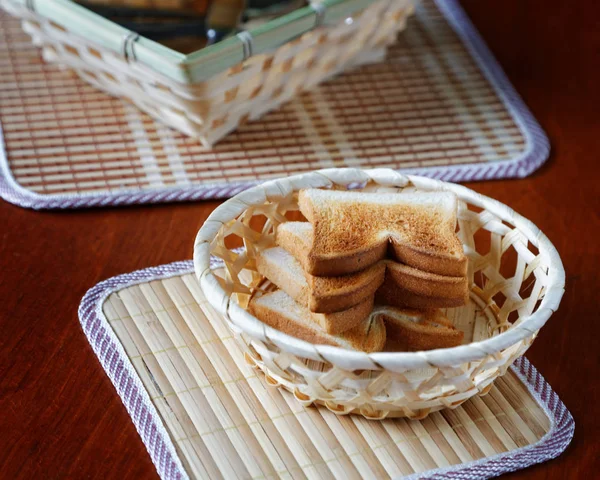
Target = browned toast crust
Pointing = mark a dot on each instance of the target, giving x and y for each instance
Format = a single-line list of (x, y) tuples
[(350, 234), (280, 322), (332, 294), (395, 296), (345, 263), (440, 264), (327, 293), (425, 283), (339, 322), (431, 330), (319, 294), (327, 265), (368, 335)]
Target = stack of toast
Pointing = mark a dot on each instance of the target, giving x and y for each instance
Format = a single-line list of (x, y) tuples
[(365, 268)]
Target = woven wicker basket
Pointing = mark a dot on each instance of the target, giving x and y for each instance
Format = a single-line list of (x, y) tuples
[(208, 93), (495, 238)]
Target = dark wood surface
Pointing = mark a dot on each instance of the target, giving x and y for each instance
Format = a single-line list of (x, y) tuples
[(59, 414)]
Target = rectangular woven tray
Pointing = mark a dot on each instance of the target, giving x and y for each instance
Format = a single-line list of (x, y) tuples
[(439, 105), (204, 413), (208, 93)]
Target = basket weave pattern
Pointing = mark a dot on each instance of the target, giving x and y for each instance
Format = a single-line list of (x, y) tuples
[(211, 109), (387, 384)]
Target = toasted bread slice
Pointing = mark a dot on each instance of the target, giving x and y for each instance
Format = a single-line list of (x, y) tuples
[(415, 330), (455, 289), (339, 322), (318, 294), (352, 230), (297, 238), (294, 237), (394, 295), (280, 311)]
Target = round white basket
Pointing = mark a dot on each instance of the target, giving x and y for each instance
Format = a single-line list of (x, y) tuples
[(516, 276)]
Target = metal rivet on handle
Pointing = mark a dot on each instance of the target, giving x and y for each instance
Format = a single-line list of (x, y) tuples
[(127, 46), (247, 41), (319, 9)]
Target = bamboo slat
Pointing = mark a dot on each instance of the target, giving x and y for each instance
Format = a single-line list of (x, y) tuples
[(226, 422)]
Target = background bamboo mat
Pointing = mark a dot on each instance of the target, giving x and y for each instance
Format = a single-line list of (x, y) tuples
[(225, 422), (428, 106)]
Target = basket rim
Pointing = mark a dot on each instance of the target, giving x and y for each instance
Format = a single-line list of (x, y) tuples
[(351, 359)]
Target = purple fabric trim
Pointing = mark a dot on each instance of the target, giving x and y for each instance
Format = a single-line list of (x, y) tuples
[(162, 451), (534, 157), (121, 372)]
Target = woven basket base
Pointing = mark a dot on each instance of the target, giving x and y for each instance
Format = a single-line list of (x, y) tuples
[(175, 363), (439, 105), (478, 321)]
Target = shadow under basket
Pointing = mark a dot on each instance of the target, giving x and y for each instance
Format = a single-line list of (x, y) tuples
[(515, 273)]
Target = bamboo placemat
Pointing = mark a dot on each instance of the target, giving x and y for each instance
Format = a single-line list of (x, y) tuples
[(439, 105), (203, 412)]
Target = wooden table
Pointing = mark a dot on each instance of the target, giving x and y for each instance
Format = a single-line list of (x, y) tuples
[(59, 414)]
